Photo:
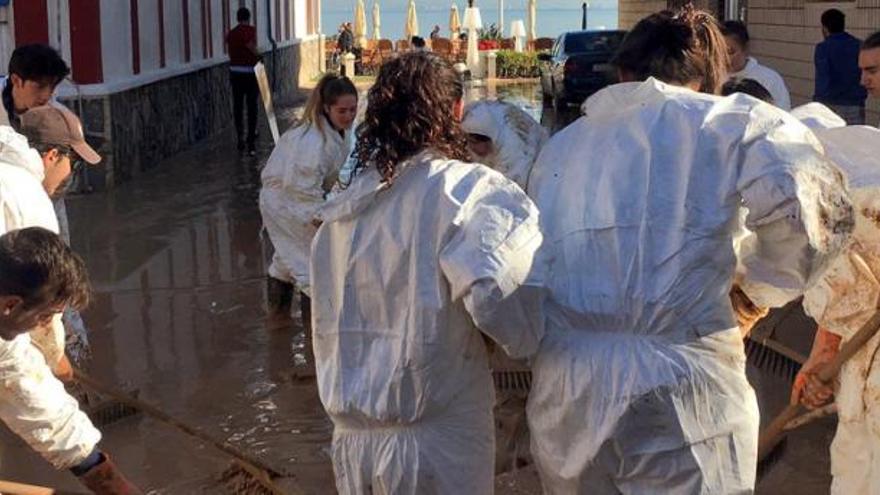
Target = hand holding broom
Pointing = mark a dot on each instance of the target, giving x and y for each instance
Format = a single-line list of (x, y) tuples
[(824, 373)]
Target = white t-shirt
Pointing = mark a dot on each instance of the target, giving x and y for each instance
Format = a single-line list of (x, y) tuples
[(769, 78)]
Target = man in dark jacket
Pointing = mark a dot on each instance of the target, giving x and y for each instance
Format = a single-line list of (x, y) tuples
[(346, 39), (837, 70)]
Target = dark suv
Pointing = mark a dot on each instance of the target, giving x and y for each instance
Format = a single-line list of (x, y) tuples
[(578, 66)]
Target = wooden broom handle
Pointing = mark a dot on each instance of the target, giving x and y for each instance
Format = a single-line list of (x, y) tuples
[(242, 457), (774, 431), (13, 488)]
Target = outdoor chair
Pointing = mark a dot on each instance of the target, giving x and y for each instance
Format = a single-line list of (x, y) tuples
[(443, 48), (507, 44), (384, 49), (403, 45), (543, 44), (371, 60)]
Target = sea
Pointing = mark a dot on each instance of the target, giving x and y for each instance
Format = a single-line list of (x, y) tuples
[(550, 22)]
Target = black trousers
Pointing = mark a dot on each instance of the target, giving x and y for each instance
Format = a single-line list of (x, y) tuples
[(245, 90)]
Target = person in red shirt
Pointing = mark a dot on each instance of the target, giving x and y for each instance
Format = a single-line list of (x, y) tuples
[(243, 55)]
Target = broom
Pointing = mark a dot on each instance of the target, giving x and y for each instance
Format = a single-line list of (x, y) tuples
[(775, 431), (247, 474), (13, 488)]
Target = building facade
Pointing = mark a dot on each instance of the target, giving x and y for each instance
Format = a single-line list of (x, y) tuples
[(150, 77), (784, 33)]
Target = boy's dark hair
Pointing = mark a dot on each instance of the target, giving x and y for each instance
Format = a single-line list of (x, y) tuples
[(39, 63), (243, 15), (36, 265), (747, 86), (834, 21), (872, 42), (736, 29), (418, 42)]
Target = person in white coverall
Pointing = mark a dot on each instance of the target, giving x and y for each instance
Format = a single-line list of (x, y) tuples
[(639, 385), (40, 275), (504, 137), (57, 135), (34, 72), (845, 298), (24, 203), (744, 66), (417, 261), (300, 172)]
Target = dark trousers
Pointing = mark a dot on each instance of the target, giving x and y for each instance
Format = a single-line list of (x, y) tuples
[(245, 90)]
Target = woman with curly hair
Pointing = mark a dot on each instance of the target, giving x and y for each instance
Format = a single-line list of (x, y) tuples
[(417, 260), (639, 385), (300, 172)]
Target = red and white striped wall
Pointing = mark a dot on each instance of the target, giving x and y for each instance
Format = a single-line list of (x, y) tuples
[(118, 43)]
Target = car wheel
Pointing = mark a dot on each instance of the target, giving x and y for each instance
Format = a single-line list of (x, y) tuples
[(560, 106), (546, 97)]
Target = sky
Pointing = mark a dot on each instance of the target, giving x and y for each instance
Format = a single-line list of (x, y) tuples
[(444, 4)]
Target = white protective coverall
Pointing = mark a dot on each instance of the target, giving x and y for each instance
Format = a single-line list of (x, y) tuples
[(842, 301), (769, 79), (301, 170), (402, 278), (34, 403), (817, 116), (25, 204), (640, 385), (516, 137)]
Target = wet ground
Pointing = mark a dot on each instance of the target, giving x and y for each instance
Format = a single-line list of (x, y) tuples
[(178, 270)]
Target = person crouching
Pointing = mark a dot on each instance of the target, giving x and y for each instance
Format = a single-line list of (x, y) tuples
[(301, 171)]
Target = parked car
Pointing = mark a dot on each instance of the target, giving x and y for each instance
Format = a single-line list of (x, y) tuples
[(578, 65)]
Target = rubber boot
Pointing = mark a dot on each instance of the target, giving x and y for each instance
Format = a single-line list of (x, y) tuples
[(306, 370), (305, 308), (279, 295)]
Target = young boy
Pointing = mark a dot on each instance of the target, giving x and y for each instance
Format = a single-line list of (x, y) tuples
[(34, 73), (39, 276)]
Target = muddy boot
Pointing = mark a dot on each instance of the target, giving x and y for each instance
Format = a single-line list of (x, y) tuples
[(279, 295), (305, 309), (306, 369)]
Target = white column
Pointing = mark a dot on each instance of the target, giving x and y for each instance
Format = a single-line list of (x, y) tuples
[(501, 17)]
